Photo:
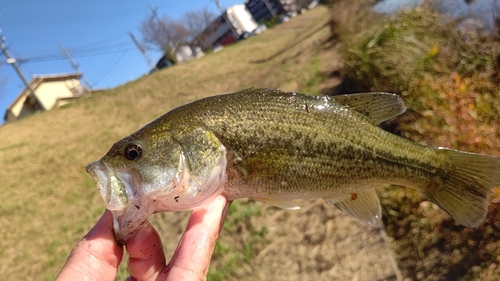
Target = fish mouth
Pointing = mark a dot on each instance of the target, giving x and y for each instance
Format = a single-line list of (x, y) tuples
[(120, 190)]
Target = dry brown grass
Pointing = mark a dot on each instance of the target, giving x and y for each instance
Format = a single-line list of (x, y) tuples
[(49, 202), (449, 81)]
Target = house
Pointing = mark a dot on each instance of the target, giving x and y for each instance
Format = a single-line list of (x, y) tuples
[(228, 27), (182, 53), (187, 52), (50, 91), (264, 10)]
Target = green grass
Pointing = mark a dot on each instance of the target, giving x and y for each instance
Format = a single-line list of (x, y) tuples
[(228, 256), (13, 146), (49, 202), (315, 78)]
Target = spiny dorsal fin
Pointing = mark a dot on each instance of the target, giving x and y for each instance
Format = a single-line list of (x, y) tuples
[(363, 206), (376, 106)]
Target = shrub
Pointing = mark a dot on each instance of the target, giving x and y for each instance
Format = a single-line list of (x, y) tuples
[(449, 79)]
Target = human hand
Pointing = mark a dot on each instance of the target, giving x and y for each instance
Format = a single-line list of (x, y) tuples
[(97, 255)]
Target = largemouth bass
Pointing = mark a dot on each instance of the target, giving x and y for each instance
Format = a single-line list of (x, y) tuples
[(275, 146)]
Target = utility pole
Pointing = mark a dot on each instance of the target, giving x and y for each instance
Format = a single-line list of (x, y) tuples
[(13, 62), (167, 49), (157, 18), (75, 65), (67, 55), (153, 11), (219, 5), (141, 49)]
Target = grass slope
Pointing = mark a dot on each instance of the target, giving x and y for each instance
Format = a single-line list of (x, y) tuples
[(49, 202)]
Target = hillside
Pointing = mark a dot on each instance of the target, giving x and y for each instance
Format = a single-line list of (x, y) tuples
[(49, 202)]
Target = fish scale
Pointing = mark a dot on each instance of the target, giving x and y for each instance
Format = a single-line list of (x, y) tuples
[(277, 125), (275, 146)]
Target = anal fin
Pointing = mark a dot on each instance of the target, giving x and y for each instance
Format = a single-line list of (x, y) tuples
[(363, 206), (280, 203)]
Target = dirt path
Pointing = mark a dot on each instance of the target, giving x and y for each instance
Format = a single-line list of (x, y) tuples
[(319, 242)]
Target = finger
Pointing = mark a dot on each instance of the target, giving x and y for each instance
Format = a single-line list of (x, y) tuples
[(146, 261), (192, 256), (96, 256)]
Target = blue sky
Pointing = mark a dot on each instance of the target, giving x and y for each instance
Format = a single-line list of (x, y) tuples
[(94, 31), (478, 9)]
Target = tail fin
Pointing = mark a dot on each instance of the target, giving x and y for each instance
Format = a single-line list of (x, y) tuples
[(471, 179)]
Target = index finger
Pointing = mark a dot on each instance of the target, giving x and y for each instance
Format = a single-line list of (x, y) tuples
[(96, 256), (192, 256)]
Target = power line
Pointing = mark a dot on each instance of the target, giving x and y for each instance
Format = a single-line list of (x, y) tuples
[(111, 66), (88, 52), (75, 65), (108, 41), (158, 19), (90, 49), (141, 49), (13, 62)]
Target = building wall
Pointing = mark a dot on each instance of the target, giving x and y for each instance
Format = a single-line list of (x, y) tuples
[(26, 105), (241, 19), (49, 92), (289, 5), (263, 10), (9, 117), (16, 109), (185, 53), (221, 29), (231, 24)]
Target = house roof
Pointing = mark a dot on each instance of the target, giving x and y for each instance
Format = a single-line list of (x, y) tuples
[(38, 80)]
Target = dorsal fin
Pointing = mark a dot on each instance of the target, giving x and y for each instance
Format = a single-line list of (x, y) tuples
[(363, 205), (377, 106)]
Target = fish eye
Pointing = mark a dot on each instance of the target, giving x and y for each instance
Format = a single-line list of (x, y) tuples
[(133, 152)]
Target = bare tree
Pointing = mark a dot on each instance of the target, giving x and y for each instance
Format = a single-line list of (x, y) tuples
[(164, 33), (197, 22), (167, 34)]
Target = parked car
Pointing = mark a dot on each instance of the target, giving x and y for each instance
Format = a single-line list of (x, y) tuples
[(217, 48), (284, 19), (244, 35), (261, 28)]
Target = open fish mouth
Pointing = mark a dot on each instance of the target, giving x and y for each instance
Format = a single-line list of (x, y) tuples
[(119, 190)]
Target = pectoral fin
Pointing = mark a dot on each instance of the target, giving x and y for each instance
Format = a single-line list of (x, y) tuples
[(378, 107), (363, 206), (280, 203)]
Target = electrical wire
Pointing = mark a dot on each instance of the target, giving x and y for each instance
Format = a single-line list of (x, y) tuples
[(79, 53), (110, 67), (29, 70)]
